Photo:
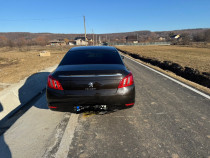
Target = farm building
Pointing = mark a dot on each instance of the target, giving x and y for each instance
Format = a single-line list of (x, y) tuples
[(57, 42), (131, 39), (81, 41)]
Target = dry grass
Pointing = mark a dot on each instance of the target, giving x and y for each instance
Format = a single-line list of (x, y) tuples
[(197, 58), (18, 63)]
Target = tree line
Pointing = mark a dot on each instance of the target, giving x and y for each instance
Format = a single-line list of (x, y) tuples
[(19, 42), (186, 38), (31, 39)]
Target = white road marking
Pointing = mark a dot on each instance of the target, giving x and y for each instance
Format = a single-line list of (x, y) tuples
[(65, 143), (172, 79)]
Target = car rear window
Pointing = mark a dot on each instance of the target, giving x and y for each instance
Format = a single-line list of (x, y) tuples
[(91, 57)]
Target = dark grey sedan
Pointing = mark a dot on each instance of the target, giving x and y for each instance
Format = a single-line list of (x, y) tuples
[(90, 77)]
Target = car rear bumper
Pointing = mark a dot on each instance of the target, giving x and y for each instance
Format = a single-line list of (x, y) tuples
[(60, 101)]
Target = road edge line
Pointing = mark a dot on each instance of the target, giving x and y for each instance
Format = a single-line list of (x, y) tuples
[(172, 79), (68, 135)]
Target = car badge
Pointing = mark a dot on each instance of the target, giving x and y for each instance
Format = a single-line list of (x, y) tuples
[(90, 85)]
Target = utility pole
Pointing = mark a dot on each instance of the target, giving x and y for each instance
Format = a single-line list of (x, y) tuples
[(93, 37), (84, 28)]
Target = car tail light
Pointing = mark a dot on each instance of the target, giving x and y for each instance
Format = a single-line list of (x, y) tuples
[(130, 104), (53, 83), (52, 107), (126, 81)]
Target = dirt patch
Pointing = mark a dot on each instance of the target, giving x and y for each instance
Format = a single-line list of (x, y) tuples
[(6, 62), (183, 70), (18, 63)]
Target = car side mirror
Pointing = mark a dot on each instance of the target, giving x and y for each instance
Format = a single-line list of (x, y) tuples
[(122, 57)]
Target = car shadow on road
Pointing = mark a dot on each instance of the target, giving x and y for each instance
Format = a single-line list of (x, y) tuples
[(28, 95), (33, 87), (1, 108), (4, 148)]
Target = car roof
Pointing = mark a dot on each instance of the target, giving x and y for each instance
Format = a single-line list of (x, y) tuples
[(89, 48)]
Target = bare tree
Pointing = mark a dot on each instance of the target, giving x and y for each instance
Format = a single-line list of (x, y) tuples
[(207, 35), (185, 39), (3, 41), (10, 43), (199, 37), (21, 42), (41, 40)]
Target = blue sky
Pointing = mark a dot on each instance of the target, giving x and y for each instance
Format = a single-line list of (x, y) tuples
[(66, 16)]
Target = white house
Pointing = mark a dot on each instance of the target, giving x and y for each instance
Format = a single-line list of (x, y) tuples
[(81, 41)]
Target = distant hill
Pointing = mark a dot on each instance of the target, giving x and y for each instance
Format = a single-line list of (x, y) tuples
[(148, 35), (142, 36)]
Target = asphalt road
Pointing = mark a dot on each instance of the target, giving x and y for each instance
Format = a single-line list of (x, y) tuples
[(168, 120)]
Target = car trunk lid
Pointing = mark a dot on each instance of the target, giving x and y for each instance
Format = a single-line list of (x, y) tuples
[(90, 79)]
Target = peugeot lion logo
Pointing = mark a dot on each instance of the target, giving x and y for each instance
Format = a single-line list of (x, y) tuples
[(90, 85)]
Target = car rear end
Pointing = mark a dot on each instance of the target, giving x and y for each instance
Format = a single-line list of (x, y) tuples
[(72, 87)]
